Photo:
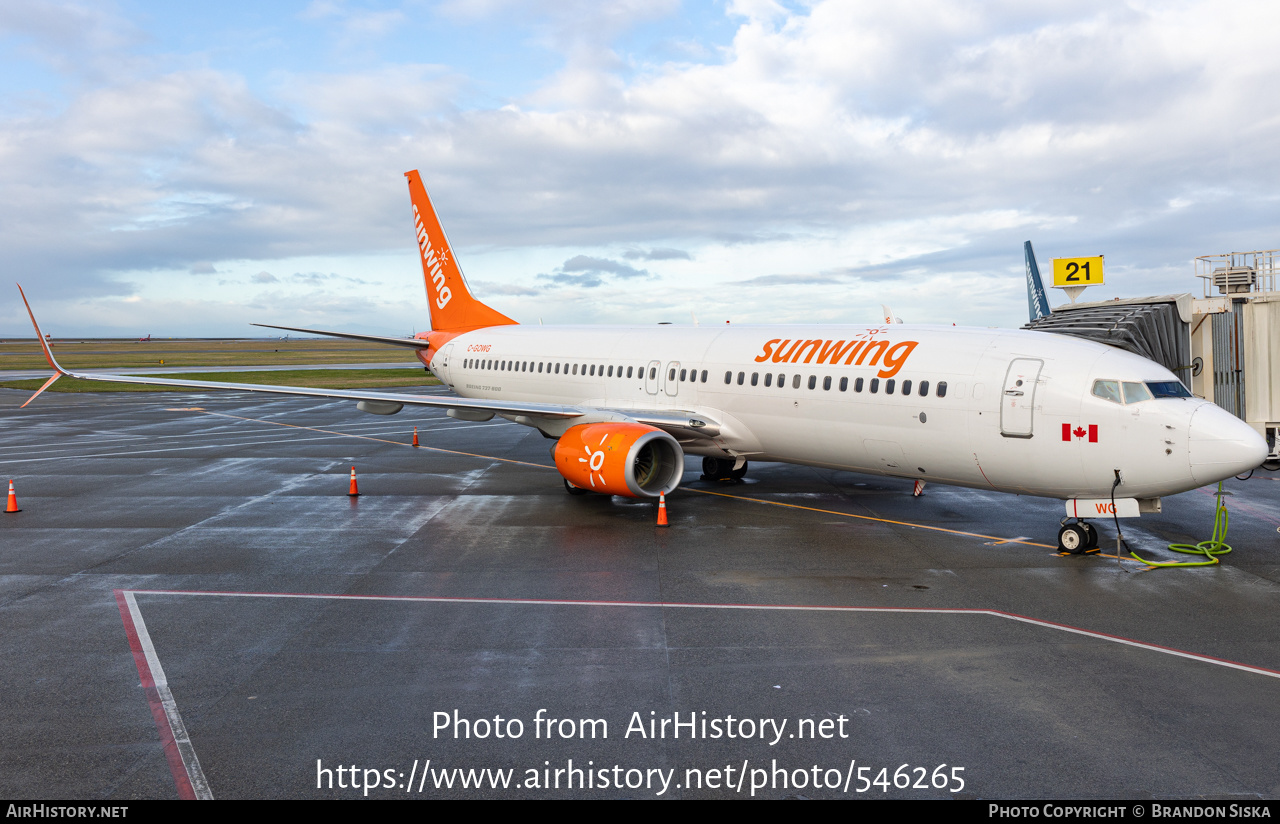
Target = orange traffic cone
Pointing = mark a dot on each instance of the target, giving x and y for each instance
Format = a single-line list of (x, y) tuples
[(415, 436), (355, 490), (13, 499), (662, 509)]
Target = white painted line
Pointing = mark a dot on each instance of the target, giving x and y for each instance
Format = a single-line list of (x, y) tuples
[(199, 784), (995, 613)]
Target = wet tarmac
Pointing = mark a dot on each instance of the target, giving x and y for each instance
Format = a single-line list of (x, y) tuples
[(191, 604)]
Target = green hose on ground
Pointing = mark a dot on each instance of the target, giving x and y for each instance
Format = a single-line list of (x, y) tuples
[(1211, 549)]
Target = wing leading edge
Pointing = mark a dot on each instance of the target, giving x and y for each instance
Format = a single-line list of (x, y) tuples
[(675, 421), (543, 410)]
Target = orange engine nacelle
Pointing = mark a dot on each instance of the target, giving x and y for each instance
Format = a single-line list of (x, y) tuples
[(629, 459)]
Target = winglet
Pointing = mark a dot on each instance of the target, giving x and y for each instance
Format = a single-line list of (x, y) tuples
[(44, 344), (47, 384)]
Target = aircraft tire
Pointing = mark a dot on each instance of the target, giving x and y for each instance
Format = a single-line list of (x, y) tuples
[(714, 469), (739, 474), (1072, 539), (1091, 536), (574, 490)]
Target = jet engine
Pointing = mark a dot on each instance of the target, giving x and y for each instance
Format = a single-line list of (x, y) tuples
[(629, 459)]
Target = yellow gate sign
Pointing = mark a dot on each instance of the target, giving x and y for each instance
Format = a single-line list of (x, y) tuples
[(1085, 271)]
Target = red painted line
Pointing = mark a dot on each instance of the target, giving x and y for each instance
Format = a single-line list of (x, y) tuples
[(167, 741), (1012, 616)]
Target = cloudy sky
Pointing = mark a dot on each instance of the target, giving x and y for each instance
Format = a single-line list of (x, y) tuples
[(182, 172)]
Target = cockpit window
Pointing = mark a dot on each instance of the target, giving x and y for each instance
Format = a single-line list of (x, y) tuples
[(1168, 389), (1107, 390), (1136, 392)]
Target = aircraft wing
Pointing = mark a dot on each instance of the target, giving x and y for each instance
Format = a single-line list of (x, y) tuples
[(676, 421), (416, 343)]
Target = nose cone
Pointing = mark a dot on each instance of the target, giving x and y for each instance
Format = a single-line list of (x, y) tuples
[(1222, 445)]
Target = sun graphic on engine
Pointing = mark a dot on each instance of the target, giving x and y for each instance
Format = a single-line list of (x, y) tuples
[(596, 461)]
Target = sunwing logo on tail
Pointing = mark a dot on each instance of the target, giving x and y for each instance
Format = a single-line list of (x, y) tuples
[(434, 262)]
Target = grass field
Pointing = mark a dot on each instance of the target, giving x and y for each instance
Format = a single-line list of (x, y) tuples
[(312, 378), (122, 354)]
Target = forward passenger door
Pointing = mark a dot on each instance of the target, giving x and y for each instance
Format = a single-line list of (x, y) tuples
[(1017, 403)]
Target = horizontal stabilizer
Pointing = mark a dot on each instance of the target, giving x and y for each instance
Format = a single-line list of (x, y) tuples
[(416, 343)]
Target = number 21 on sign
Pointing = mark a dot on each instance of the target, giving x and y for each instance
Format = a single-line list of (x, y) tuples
[(1084, 271)]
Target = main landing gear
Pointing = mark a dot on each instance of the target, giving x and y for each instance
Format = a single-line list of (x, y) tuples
[(718, 469), (1077, 538)]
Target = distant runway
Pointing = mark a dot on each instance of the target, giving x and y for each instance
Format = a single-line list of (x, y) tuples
[(194, 607)]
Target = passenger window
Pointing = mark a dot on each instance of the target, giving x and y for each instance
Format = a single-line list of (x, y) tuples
[(1107, 390), (575, 369), (942, 389), (813, 381), (610, 371), (782, 380), (683, 373), (653, 372), (875, 385), (741, 377), (671, 374), (728, 377), (906, 387), (795, 381), (857, 385), (629, 368), (755, 378), (1136, 392), (768, 379), (704, 376), (844, 384), (888, 386), (826, 382), (924, 389)]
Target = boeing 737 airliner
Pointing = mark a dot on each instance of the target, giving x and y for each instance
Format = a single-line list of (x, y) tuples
[(1015, 411)]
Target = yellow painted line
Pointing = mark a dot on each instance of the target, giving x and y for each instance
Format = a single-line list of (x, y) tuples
[(379, 440), (869, 518), (688, 489)]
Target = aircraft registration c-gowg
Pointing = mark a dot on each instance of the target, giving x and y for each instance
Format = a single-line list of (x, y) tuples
[(1016, 411)]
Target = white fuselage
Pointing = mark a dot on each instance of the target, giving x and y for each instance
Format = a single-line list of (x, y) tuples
[(1018, 413)]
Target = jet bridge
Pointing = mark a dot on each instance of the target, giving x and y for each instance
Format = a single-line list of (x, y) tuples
[(1157, 328), (1225, 345)]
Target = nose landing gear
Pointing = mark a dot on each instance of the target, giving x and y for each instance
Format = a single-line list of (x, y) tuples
[(1077, 538)]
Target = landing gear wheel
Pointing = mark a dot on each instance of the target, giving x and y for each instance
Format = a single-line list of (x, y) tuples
[(715, 469), (739, 474), (573, 490), (1073, 539), (1091, 536)]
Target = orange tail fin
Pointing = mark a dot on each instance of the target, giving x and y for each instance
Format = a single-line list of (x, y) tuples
[(452, 307)]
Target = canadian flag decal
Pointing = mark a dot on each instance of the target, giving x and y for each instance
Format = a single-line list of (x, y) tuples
[(1078, 433)]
